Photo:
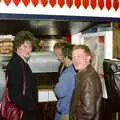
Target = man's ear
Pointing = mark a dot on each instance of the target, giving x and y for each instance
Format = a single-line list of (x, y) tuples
[(89, 58)]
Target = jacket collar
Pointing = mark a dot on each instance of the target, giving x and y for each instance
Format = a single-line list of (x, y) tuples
[(19, 57)]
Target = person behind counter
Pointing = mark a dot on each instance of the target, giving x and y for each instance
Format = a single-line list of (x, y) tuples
[(58, 52), (17, 71), (64, 87), (87, 95)]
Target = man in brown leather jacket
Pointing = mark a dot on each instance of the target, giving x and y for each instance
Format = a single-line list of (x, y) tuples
[(86, 99)]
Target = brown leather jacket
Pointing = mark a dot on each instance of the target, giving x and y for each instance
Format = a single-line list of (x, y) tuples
[(86, 99)]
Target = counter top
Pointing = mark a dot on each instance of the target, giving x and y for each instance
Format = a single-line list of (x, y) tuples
[(46, 95)]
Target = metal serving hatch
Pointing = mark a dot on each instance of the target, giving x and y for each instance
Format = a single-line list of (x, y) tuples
[(45, 66)]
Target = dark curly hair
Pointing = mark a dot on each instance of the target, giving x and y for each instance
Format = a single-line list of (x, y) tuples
[(21, 37)]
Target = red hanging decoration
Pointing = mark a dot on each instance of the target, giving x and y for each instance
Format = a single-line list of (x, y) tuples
[(68, 38), (115, 4), (61, 3), (108, 4), (44, 2), (52, 2), (26, 2), (77, 3), (85, 3), (101, 39), (7, 2), (16, 2), (69, 3), (35, 2), (93, 3), (101, 4)]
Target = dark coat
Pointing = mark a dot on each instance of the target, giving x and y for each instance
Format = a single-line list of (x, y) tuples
[(18, 71), (86, 99)]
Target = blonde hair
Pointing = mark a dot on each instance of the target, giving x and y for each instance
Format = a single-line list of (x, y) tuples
[(85, 48)]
